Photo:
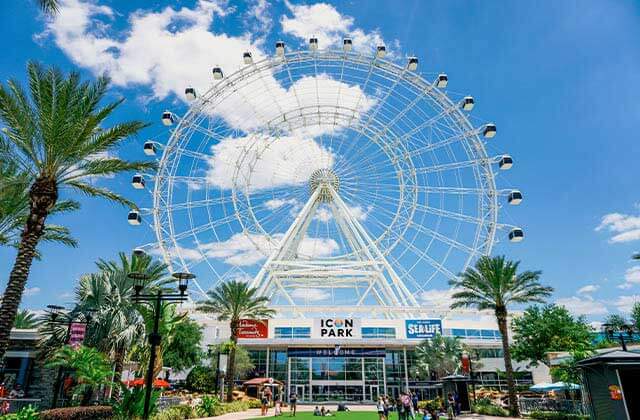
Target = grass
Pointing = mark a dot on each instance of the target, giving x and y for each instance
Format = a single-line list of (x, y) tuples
[(337, 415)]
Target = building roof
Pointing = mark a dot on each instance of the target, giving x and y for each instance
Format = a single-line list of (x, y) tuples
[(615, 357)]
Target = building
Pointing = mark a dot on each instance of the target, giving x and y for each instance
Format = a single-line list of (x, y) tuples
[(328, 359)]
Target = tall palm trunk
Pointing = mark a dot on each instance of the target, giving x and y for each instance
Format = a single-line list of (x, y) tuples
[(42, 196), (231, 362), (501, 316), (118, 367)]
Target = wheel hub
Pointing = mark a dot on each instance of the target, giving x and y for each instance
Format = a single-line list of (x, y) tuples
[(323, 178)]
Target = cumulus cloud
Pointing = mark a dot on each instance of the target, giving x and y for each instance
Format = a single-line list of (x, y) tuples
[(631, 277), (589, 288), (583, 305), (626, 228), (310, 294), (438, 300), (325, 214), (625, 303), (276, 203), (31, 291), (323, 21)]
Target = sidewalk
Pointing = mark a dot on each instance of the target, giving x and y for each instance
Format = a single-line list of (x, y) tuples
[(255, 412)]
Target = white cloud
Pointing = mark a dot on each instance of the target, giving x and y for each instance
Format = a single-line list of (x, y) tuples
[(276, 203), (589, 288), (323, 21), (324, 213), (264, 162), (31, 291), (310, 294), (249, 249), (438, 300), (625, 303), (626, 227), (631, 277), (583, 305), (154, 50)]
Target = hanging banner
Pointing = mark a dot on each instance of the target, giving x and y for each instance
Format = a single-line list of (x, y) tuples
[(253, 328), (336, 328), (423, 328), (77, 333)]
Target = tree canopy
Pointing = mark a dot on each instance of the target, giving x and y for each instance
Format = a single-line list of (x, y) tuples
[(184, 349), (542, 329)]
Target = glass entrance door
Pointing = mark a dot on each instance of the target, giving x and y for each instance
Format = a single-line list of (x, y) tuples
[(300, 390), (372, 392)]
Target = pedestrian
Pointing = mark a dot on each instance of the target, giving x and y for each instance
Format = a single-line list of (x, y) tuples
[(450, 407), (293, 403), (278, 410), (264, 401), (456, 399), (380, 408)]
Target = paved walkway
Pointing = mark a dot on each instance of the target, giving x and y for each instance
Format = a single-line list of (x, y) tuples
[(255, 412)]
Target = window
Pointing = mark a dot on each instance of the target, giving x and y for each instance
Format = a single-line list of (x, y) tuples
[(487, 334), (378, 332), (473, 333), (458, 332), (292, 332)]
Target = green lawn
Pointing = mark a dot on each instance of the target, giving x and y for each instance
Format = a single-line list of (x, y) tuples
[(342, 415)]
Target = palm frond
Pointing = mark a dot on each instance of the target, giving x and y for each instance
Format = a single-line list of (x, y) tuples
[(94, 191)]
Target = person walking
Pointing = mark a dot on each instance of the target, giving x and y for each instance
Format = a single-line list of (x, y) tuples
[(451, 411), (264, 402), (380, 409), (293, 403)]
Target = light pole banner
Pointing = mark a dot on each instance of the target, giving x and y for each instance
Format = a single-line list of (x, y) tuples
[(423, 328), (76, 333), (336, 328)]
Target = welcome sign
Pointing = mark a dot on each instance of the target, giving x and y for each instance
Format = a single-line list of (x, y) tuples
[(423, 328), (336, 328)]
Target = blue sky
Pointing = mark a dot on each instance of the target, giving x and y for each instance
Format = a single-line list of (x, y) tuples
[(559, 79)]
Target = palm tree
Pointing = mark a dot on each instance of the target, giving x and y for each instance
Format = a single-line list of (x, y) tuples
[(117, 323), (440, 355), (494, 284), (49, 7), (14, 206), (26, 320), (55, 134), (232, 302)]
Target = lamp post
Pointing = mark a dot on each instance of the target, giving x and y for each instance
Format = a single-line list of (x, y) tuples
[(55, 312), (155, 301), (466, 355), (625, 329)]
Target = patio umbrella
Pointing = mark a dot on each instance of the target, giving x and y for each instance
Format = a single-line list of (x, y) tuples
[(541, 387), (565, 385)]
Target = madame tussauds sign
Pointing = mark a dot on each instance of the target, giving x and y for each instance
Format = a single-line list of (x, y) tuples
[(336, 328)]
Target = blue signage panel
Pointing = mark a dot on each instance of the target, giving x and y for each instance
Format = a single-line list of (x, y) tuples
[(335, 352), (423, 328)]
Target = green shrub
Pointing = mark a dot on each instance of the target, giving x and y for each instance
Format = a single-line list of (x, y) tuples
[(177, 412), (486, 407), (131, 404), (434, 404), (553, 415), (78, 413), (25, 413), (201, 379), (254, 403), (208, 405)]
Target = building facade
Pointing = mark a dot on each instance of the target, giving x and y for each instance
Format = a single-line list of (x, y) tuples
[(357, 360)]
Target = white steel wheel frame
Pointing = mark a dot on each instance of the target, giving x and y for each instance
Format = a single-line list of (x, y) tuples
[(415, 130)]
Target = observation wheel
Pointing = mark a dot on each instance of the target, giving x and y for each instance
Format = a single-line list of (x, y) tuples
[(333, 181)]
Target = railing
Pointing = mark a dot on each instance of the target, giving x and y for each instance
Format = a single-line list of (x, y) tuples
[(11, 405), (528, 405)]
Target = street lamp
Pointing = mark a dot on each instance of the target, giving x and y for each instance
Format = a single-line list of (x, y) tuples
[(56, 313), (466, 355), (155, 300)]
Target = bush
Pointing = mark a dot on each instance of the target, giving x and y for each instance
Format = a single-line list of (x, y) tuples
[(78, 413), (25, 413), (201, 379), (177, 412), (254, 403), (434, 404), (208, 405), (486, 407), (131, 404), (553, 415)]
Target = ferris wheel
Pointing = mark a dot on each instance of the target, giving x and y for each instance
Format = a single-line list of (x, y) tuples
[(331, 180)]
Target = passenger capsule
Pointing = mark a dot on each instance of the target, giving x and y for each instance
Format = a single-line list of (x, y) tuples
[(516, 235), (137, 182), (412, 65), (149, 148), (347, 44), (381, 51), (247, 58), (168, 118), (506, 162), (313, 44), (468, 103), (442, 81), (190, 93), (134, 218), (515, 197), (489, 131), (280, 48), (217, 73)]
